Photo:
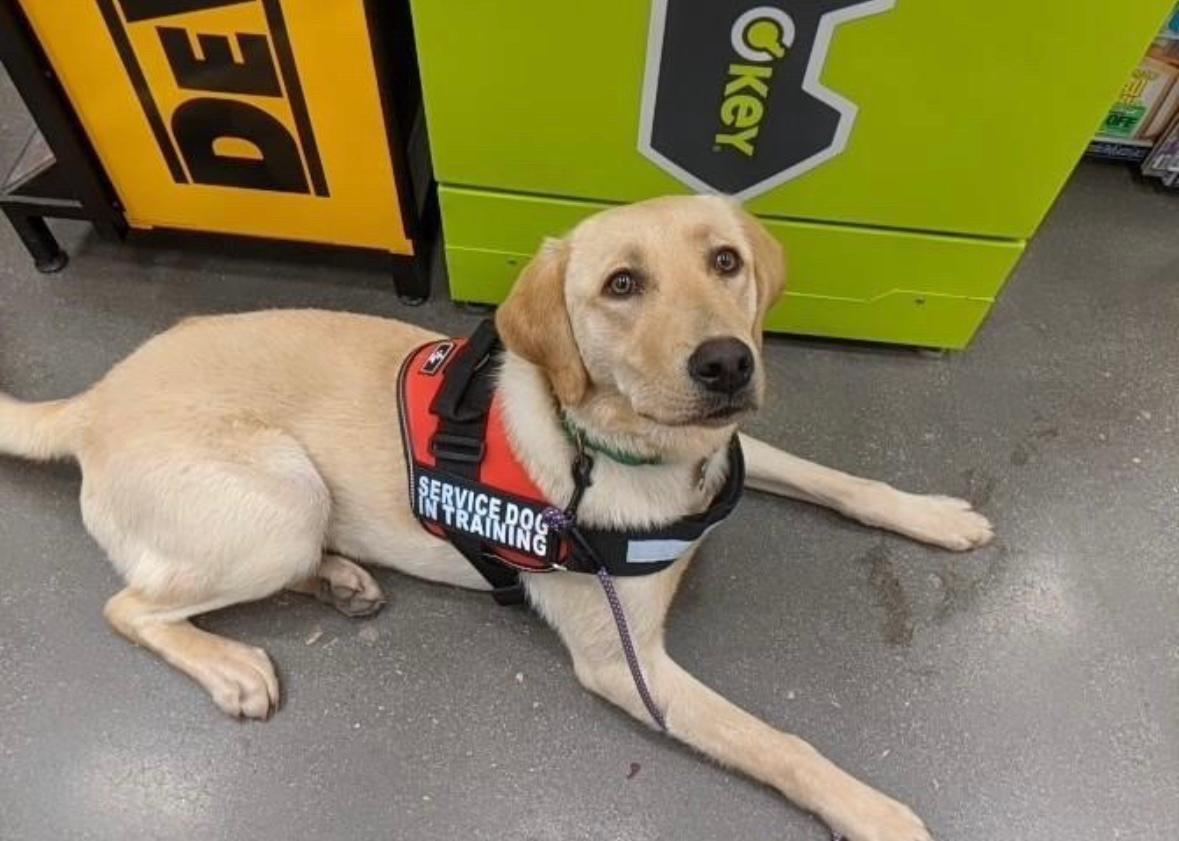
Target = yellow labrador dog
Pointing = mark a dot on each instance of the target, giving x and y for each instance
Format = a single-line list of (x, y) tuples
[(235, 456)]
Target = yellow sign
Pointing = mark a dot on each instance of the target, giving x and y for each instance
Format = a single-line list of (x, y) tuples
[(251, 117)]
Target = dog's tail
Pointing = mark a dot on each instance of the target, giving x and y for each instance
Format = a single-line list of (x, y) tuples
[(40, 431)]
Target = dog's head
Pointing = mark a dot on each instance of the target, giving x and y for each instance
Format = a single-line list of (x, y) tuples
[(654, 310)]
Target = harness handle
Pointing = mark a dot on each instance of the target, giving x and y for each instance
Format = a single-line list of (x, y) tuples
[(455, 401)]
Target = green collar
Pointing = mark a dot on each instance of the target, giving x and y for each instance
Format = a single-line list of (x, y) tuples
[(576, 434)]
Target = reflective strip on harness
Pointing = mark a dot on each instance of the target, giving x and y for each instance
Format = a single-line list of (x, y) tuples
[(657, 551)]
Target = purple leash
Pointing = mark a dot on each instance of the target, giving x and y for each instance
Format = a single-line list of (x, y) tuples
[(562, 522), (628, 648)]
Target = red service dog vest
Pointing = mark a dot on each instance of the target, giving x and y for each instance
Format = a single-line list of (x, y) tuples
[(466, 485)]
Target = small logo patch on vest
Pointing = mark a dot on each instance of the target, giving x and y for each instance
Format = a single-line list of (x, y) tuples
[(437, 358)]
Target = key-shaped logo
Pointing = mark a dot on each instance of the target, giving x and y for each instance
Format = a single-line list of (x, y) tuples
[(733, 99)]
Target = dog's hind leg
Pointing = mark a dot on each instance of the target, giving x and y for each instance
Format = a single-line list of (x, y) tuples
[(939, 520), (240, 678), (199, 523)]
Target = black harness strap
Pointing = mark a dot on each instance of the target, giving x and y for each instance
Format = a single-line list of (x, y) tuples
[(592, 548), (462, 406)]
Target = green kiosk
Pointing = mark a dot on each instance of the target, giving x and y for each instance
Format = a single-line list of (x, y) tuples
[(904, 151)]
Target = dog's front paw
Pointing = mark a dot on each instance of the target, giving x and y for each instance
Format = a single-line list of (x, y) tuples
[(868, 815), (938, 520), (948, 522)]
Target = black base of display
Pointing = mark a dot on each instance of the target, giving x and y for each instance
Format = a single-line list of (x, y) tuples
[(27, 207)]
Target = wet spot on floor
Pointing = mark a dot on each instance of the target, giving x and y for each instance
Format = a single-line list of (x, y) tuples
[(980, 486), (962, 590), (897, 628), (1029, 447)]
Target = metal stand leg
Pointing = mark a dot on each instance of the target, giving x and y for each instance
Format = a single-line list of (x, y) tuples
[(413, 283), (48, 256)]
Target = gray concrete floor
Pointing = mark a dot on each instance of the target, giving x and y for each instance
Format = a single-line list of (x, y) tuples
[(1027, 691)]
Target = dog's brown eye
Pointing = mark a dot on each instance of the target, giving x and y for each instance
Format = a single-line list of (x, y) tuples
[(726, 260), (622, 284)]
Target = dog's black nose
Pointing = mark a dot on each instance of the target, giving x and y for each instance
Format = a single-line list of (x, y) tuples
[(724, 366)]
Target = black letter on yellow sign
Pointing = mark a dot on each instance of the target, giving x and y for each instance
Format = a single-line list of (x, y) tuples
[(217, 71), (136, 10), (199, 123)]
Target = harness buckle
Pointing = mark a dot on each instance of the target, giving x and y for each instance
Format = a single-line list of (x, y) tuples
[(457, 448)]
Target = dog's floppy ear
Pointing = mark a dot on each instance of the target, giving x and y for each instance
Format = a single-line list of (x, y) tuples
[(534, 323), (769, 263)]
